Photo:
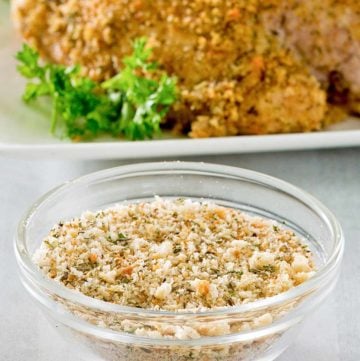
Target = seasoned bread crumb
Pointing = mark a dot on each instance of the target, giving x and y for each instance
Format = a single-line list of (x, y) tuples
[(174, 255)]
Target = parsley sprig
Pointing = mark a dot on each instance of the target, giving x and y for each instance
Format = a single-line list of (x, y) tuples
[(132, 104)]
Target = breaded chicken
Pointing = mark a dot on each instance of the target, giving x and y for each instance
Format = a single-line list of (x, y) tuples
[(325, 35), (233, 76), (272, 95)]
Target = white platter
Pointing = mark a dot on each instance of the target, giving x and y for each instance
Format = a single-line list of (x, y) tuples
[(24, 130)]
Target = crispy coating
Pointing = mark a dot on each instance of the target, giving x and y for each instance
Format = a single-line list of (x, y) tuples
[(325, 35), (278, 100), (233, 76)]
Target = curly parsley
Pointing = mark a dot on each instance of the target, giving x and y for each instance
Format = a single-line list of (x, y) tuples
[(132, 104)]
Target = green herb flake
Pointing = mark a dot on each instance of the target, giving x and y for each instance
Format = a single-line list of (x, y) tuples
[(51, 245), (268, 268), (237, 273), (122, 237)]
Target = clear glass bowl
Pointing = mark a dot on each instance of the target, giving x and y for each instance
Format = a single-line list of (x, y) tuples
[(256, 331)]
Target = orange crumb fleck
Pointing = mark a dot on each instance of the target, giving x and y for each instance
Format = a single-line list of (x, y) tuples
[(127, 270), (93, 258), (204, 287), (233, 14)]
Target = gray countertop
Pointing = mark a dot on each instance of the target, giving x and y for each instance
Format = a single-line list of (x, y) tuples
[(332, 333)]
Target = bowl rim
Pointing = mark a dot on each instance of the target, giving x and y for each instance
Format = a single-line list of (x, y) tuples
[(31, 270)]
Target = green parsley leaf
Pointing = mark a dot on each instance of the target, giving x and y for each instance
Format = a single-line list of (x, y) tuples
[(132, 104), (29, 63), (145, 100)]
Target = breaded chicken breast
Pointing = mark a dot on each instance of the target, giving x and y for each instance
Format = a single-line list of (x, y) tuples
[(234, 77), (325, 35)]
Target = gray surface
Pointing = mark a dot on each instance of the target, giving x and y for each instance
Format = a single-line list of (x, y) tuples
[(331, 334)]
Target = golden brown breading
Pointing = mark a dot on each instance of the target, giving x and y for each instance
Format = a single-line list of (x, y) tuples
[(278, 99), (325, 35), (233, 76)]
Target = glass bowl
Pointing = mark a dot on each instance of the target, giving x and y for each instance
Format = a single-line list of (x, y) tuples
[(260, 330)]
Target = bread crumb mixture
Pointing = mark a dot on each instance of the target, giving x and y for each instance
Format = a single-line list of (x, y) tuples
[(174, 255)]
